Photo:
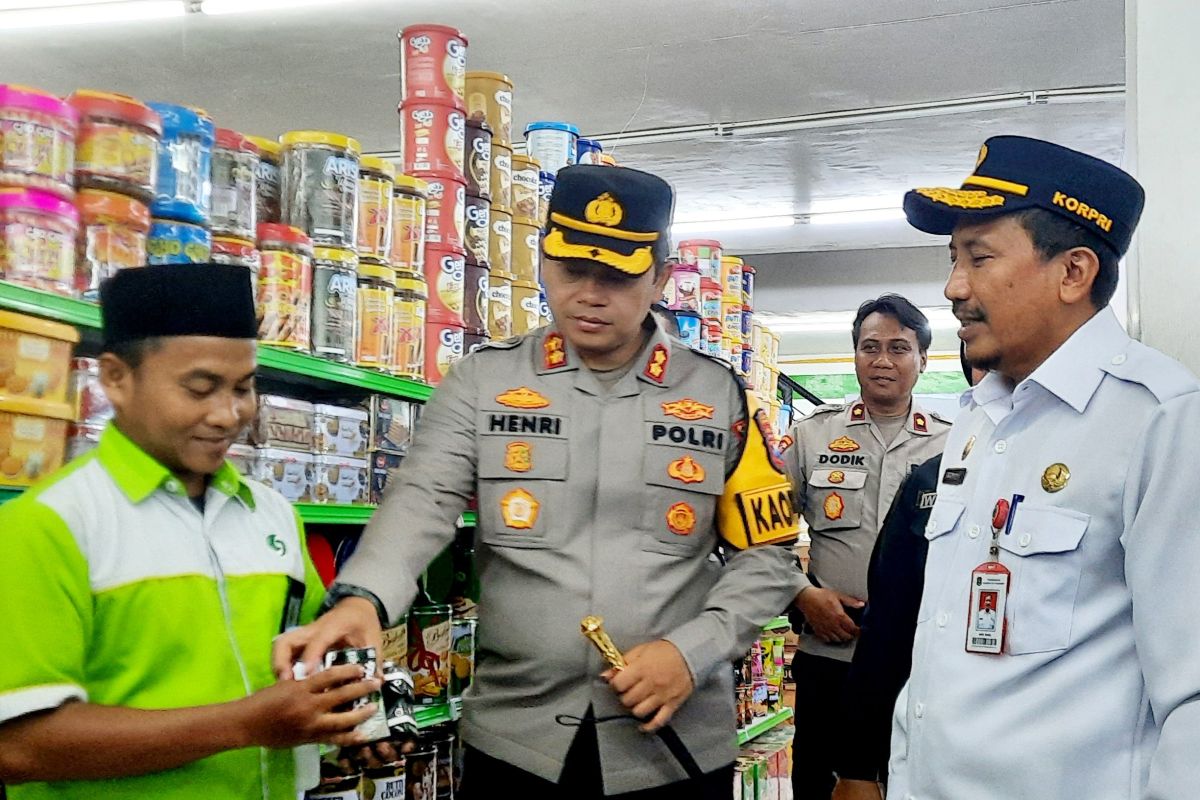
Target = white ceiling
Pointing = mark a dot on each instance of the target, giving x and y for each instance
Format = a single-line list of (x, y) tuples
[(634, 65)]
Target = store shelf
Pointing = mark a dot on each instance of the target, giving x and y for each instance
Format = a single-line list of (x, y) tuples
[(87, 315), (332, 514), (428, 716), (759, 728), (313, 367), (50, 306), (467, 520), (777, 623)]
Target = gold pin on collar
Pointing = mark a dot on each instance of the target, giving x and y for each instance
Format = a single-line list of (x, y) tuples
[(592, 627), (1055, 478)]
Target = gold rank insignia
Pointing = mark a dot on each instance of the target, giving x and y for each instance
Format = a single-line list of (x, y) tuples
[(1055, 478), (835, 506), (681, 519), (859, 412), (555, 350), (604, 210), (843, 444), (686, 469), (837, 476), (688, 409), (656, 365), (524, 397), (518, 457), (968, 447), (920, 424), (519, 509)]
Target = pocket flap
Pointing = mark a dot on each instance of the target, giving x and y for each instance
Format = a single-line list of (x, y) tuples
[(687, 470), (838, 479), (944, 518), (513, 458), (1044, 530)]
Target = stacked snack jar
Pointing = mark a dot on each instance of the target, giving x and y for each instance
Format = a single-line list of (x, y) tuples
[(112, 236), (37, 240), (267, 176), (38, 131), (490, 100), (553, 144), (334, 303), (319, 186), (376, 312), (284, 286), (444, 336), (183, 191), (117, 144), (238, 252), (376, 188), (704, 254), (445, 274), (433, 64), (235, 163), (477, 159), (408, 225), (408, 352)]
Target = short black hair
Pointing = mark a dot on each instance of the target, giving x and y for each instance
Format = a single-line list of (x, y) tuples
[(1053, 234), (134, 351), (900, 309), (667, 317), (661, 252)]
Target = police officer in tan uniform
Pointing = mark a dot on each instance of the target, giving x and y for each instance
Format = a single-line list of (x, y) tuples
[(609, 461), (846, 463)]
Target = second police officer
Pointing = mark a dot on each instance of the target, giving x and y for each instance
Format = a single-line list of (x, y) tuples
[(609, 461)]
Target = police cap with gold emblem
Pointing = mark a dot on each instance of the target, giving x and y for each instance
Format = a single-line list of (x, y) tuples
[(1015, 173), (616, 216)]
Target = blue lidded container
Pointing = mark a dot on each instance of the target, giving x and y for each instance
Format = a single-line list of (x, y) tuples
[(588, 151), (183, 191), (546, 181), (689, 328), (173, 242), (553, 144), (747, 360)]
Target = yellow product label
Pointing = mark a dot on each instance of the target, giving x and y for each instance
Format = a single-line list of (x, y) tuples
[(196, 253), (374, 218), (118, 152), (30, 447), (408, 356), (375, 326), (33, 348)]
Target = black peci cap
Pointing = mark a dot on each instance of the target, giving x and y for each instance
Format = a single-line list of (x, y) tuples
[(178, 300), (1014, 173)]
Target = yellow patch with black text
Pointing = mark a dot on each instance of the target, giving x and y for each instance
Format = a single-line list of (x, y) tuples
[(835, 506), (522, 397), (681, 519), (688, 409), (687, 470), (843, 444), (519, 509), (518, 457)]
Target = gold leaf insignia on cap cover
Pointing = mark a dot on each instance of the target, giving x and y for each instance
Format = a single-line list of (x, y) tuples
[(604, 210)]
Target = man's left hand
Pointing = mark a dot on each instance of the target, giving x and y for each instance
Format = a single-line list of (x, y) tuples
[(656, 682)]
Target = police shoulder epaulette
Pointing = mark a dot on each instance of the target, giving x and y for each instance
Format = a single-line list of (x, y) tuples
[(1162, 375), (827, 408), (501, 344), (939, 417)]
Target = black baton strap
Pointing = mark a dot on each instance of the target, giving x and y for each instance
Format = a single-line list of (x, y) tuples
[(667, 734)]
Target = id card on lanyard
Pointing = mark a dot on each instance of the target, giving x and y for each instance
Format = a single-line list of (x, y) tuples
[(990, 582)]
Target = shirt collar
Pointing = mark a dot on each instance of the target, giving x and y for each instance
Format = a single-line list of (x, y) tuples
[(1075, 370), (138, 475), (652, 363), (916, 423)]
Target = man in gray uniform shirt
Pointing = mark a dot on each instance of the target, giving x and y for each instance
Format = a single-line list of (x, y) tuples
[(847, 463), (609, 460)]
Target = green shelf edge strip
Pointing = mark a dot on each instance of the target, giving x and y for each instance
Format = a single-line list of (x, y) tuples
[(84, 314), (759, 728), (334, 514), (777, 623)]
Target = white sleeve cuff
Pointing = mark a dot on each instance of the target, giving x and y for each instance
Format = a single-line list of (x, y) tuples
[(20, 702)]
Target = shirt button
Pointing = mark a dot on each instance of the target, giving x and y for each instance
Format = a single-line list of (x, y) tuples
[(973, 532), (943, 618), (931, 527), (1025, 540), (919, 710), (173, 486), (1119, 360), (1001, 446)]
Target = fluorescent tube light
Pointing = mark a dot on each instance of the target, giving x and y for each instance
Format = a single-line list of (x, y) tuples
[(39, 14), (221, 7), (727, 225)]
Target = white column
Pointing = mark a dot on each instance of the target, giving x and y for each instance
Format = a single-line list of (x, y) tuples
[(1162, 150)]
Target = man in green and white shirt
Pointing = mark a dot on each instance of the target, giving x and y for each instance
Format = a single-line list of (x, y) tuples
[(142, 584)]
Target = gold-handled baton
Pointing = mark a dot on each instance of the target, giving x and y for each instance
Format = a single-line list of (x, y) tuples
[(592, 627)]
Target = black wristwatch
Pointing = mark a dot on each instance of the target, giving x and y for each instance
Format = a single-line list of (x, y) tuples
[(340, 591)]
